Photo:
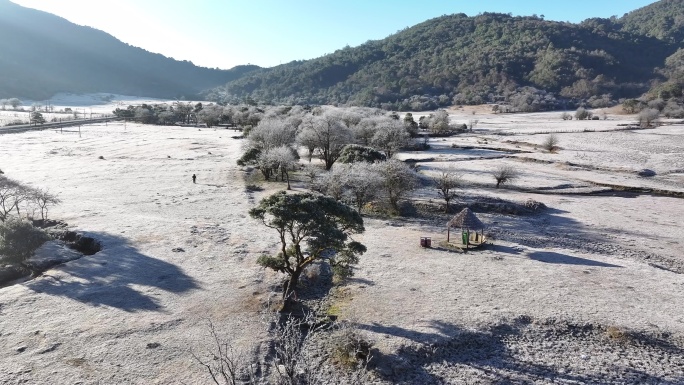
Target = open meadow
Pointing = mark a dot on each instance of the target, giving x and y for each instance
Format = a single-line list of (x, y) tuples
[(589, 290)]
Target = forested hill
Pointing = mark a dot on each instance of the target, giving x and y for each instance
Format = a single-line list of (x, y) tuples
[(457, 59), (663, 20), (42, 54)]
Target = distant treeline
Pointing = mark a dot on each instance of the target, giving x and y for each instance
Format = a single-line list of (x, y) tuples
[(527, 63)]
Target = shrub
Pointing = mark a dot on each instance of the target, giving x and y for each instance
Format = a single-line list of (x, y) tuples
[(583, 114), (616, 334), (350, 349), (19, 239), (648, 116), (534, 205), (504, 174), (353, 153)]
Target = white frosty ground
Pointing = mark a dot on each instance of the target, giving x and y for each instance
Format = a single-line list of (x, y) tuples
[(85, 105), (99, 319)]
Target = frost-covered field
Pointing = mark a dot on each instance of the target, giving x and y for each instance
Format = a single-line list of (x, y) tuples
[(132, 312), (83, 105)]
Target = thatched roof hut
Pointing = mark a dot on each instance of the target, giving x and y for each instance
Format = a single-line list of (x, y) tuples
[(467, 221)]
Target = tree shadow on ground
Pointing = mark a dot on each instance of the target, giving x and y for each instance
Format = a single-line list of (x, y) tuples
[(564, 259), (118, 276), (361, 281), (491, 356), (548, 229), (502, 249)]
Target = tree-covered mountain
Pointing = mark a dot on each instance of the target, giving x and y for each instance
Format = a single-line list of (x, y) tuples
[(486, 58), (663, 20), (42, 54)]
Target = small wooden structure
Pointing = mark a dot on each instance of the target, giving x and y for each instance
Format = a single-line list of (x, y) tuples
[(469, 225)]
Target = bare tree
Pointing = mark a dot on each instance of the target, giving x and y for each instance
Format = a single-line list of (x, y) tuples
[(44, 199), (504, 174), (446, 184), (12, 193), (550, 144), (226, 364), (296, 358), (284, 160)]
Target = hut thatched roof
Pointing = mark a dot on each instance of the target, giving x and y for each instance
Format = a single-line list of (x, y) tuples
[(466, 219)]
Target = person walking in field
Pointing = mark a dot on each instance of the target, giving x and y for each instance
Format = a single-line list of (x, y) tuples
[(194, 178)]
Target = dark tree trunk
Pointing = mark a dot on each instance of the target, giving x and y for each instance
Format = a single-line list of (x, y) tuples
[(290, 292)]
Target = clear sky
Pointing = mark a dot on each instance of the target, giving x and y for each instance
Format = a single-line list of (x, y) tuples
[(226, 33)]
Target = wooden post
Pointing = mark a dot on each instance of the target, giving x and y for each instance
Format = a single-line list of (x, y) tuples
[(448, 233)]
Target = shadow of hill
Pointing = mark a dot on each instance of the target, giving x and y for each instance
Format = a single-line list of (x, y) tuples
[(499, 355), (558, 258), (114, 276)]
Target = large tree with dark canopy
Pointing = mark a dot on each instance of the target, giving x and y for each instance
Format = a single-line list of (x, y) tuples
[(311, 228)]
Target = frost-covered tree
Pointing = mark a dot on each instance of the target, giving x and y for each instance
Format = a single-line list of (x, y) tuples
[(12, 194), (365, 129), (363, 183), (282, 159), (550, 144), (44, 199), (438, 121), (648, 116), (390, 136), (272, 133), (210, 115), (583, 114), (14, 102), (329, 135), (334, 182), (397, 180), (184, 111)]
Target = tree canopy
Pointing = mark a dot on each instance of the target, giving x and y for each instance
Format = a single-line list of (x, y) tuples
[(311, 228)]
